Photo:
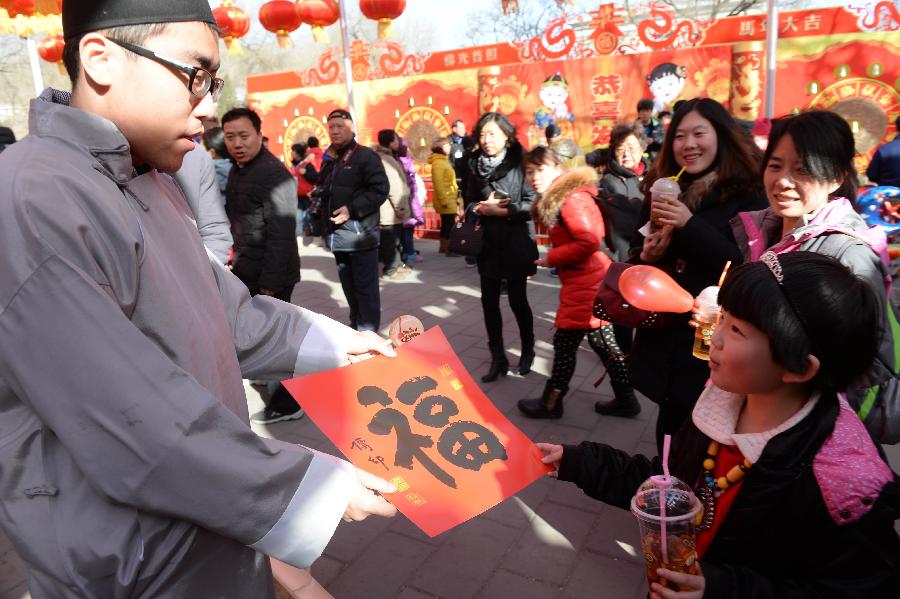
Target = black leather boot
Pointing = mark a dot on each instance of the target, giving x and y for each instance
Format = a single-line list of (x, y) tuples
[(499, 367), (549, 405), (625, 404), (527, 359)]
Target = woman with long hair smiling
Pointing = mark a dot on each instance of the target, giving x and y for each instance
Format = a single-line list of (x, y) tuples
[(718, 180)]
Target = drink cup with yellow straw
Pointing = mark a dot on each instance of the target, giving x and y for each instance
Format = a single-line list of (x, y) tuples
[(664, 190), (706, 315)]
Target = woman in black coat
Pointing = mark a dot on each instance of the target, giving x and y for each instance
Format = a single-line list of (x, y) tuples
[(720, 179), (495, 184)]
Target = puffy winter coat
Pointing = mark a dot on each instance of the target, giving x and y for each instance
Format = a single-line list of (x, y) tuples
[(262, 207), (443, 180), (576, 232), (622, 200), (359, 183), (396, 209)]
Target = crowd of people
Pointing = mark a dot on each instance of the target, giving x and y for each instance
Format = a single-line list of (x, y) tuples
[(151, 260), (777, 197)]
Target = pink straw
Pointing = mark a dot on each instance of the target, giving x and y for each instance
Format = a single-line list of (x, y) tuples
[(661, 483)]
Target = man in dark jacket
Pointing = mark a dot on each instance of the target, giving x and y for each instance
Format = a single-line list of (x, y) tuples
[(262, 206), (262, 203), (353, 185)]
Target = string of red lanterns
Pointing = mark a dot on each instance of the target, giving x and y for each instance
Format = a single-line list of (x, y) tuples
[(282, 17)]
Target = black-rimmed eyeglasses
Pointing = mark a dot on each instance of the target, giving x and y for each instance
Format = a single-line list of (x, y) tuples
[(201, 81)]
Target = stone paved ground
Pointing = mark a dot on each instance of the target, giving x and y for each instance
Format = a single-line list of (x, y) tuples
[(550, 540)]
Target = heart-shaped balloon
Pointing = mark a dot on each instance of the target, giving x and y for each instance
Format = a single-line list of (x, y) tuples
[(649, 288)]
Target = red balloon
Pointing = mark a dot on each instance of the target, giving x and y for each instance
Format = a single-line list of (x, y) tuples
[(649, 288)]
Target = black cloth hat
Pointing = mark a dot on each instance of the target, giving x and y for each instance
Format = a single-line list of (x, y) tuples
[(7, 136), (83, 16)]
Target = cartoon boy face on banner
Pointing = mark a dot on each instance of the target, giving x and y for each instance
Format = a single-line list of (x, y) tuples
[(666, 81), (554, 108)]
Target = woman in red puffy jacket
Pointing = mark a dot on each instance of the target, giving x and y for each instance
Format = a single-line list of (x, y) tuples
[(568, 210)]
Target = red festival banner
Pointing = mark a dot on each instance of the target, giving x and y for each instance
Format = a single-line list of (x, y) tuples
[(420, 421)]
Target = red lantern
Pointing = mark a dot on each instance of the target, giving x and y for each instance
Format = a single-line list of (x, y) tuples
[(320, 14), (233, 24), (383, 11), (20, 7), (51, 49), (280, 17)]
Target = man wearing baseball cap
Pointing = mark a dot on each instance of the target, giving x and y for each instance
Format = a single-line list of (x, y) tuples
[(127, 464), (353, 186)]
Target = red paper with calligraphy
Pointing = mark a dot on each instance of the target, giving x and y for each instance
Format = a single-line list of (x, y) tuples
[(420, 421)]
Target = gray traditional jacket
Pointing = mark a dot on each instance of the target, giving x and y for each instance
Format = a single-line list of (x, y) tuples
[(127, 465), (200, 185)]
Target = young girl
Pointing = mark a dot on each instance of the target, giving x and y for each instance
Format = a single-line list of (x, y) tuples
[(576, 228), (718, 182), (809, 157), (799, 502)]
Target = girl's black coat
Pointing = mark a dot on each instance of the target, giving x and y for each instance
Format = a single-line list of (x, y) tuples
[(778, 539)]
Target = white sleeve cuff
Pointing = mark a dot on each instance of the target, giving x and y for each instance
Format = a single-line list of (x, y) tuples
[(306, 526), (324, 346)]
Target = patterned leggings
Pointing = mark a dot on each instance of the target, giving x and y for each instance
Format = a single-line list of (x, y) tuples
[(602, 340)]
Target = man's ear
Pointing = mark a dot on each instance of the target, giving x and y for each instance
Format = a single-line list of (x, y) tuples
[(812, 368), (97, 61)]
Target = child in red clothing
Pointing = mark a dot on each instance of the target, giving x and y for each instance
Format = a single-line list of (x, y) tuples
[(798, 501)]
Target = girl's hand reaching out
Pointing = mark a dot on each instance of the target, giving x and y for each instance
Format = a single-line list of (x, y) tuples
[(552, 456)]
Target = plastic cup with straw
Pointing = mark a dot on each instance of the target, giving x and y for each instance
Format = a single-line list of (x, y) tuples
[(664, 189), (666, 510), (706, 316)]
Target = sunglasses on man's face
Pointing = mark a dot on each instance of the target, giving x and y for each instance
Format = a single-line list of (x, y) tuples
[(200, 82)]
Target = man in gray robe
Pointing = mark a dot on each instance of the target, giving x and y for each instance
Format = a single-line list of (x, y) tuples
[(127, 464)]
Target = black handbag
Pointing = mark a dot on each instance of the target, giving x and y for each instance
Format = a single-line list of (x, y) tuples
[(466, 236), (609, 305)]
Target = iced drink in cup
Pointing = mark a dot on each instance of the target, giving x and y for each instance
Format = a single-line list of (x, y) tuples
[(707, 317), (664, 189), (676, 520)]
